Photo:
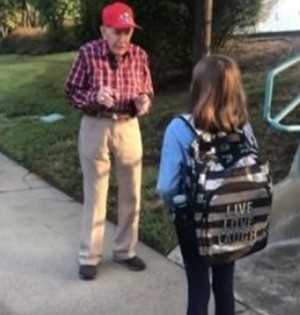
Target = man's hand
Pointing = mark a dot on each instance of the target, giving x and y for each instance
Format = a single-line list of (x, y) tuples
[(143, 103), (106, 97)]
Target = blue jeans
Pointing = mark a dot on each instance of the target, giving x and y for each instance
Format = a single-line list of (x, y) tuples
[(198, 277)]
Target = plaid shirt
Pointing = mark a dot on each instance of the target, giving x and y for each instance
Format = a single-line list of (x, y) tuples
[(94, 68)]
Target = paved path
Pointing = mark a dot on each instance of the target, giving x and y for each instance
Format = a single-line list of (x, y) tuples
[(39, 228), (270, 280)]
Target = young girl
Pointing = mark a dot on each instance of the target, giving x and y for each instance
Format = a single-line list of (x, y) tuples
[(217, 103)]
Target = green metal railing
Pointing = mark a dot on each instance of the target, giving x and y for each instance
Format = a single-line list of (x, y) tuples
[(276, 122)]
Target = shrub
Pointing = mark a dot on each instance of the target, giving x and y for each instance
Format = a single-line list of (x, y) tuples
[(36, 41)]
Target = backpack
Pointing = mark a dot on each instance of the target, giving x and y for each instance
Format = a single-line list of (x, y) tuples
[(229, 190)]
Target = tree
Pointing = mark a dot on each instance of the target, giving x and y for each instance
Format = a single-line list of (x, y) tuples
[(24, 13), (267, 9), (54, 12), (89, 19), (229, 15), (208, 26), (8, 16), (166, 35), (197, 13)]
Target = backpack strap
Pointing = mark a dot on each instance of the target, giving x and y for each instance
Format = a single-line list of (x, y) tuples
[(234, 137), (188, 122), (227, 147), (218, 139)]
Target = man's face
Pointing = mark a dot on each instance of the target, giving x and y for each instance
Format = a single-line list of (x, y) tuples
[(118, 40)]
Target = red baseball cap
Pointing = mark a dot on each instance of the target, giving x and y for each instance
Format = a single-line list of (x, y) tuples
[(118, 15)]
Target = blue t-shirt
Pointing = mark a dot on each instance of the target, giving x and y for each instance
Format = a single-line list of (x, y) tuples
[(177, 140)]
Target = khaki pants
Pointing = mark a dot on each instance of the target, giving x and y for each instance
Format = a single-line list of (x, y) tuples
[(99, 139)]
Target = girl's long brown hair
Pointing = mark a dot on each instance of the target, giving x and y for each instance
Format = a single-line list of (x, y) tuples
[(218, 101)]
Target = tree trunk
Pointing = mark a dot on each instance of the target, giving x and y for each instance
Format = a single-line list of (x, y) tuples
[(203, 28), (208, 26), (198, 43), (24, 13)]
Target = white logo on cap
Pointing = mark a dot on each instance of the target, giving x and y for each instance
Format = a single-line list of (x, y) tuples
[(126, 18)]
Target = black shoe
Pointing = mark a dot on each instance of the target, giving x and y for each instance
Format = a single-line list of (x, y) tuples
[(135, 263), (87, 272)]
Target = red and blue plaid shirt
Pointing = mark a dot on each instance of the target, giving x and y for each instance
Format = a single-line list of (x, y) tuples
[(94, 68)]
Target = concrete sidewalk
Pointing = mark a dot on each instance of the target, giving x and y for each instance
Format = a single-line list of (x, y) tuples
[(270, 280), (39, 230)]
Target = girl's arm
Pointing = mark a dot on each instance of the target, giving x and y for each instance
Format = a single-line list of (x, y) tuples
[(170, 169)]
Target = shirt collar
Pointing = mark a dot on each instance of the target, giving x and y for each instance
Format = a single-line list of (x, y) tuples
[(105, 50)]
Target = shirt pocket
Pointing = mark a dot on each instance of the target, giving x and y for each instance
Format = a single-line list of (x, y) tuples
[(99, 75), (133, 80)]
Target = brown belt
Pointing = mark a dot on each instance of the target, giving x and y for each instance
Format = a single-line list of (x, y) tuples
[(113, 116)]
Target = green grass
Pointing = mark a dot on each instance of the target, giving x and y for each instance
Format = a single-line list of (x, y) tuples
[(33, 86)]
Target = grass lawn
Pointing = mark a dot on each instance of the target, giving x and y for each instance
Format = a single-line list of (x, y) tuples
[(33, 86)]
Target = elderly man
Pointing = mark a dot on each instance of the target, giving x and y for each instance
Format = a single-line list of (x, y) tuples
[(110, 83)]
